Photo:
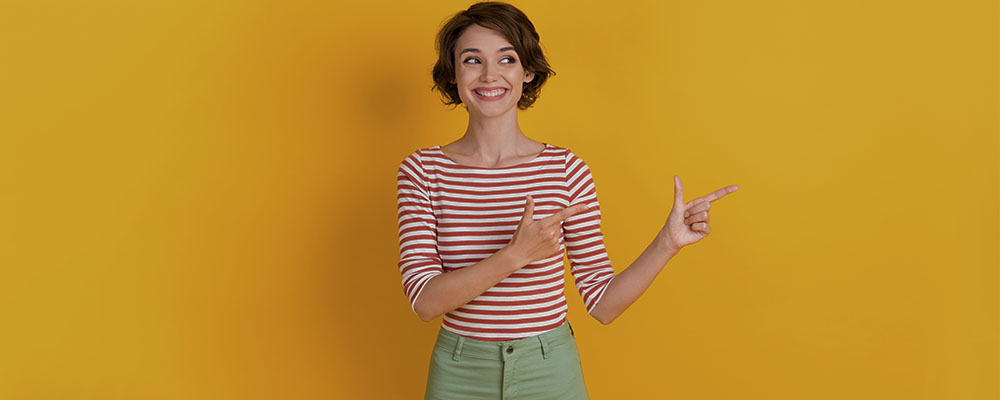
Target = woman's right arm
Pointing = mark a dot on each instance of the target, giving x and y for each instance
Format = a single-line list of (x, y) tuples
[(532, 240), (451, 290)]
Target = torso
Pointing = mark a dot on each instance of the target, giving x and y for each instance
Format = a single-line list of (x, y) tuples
[(453, 216)]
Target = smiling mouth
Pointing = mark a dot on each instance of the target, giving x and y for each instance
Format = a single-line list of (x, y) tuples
[(491, 94)]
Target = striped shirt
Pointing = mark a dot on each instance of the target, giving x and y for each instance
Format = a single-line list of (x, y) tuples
[(453, 216)]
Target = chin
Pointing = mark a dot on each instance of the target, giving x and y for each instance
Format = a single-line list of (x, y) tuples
[(494, 112)]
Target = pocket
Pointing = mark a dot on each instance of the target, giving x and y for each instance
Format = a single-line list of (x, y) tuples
[(564, 347)]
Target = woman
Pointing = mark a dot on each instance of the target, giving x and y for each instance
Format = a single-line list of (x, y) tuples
[(484, 221)]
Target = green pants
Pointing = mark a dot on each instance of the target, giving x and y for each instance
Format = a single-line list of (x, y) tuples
[(546, 366)]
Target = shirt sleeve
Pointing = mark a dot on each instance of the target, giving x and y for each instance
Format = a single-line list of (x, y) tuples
[(419, 260), (590, 265)]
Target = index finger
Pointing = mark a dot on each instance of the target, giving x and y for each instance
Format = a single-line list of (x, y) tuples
[(718, 193), (565, 213)]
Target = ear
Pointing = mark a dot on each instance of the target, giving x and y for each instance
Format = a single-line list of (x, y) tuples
[(528, 77)]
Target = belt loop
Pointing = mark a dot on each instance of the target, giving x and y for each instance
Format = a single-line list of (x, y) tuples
[(458, 347), (545, 345)]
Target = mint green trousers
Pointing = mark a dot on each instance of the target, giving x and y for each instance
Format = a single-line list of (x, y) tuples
[(546, 366)]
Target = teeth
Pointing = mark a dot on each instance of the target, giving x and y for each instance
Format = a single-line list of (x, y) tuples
[(493, 93)]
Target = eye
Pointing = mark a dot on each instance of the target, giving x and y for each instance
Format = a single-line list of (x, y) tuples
[(512, 59)]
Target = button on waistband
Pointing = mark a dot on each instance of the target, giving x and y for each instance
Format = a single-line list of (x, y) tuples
[(510, 349)]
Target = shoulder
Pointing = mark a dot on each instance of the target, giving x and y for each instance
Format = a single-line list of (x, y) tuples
[(574, 162), (412, 165), (575, 167), (559, 151), (563, 150), (417, 158)]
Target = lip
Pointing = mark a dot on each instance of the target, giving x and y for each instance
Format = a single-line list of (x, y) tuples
[(487, 89)]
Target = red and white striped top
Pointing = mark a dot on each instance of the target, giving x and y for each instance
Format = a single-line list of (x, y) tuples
[(452, 216)]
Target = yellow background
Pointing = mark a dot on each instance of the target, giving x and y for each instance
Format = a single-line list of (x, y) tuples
[(198, 198)]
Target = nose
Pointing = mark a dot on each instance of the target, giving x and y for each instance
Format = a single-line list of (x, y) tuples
[(489, 73)]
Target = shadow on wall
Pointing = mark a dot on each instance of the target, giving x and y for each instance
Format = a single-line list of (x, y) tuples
[(386, 120)]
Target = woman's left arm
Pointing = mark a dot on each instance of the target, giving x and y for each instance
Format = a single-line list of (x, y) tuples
[(686, 224)]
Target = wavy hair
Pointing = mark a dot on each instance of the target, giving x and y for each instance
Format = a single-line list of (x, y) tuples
[(510, 22)]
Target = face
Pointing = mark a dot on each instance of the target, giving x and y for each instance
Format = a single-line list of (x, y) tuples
[(488, 72)]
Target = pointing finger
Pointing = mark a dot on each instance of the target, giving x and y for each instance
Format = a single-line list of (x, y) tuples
[(721, 192), (566, 213)]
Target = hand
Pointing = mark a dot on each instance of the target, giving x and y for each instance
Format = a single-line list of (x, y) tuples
[(688, 223), (535, 240)]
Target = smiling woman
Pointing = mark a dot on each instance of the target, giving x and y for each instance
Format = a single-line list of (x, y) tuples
[(471, 247)]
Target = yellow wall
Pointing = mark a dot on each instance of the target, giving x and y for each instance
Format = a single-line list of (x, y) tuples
[(198, 198)]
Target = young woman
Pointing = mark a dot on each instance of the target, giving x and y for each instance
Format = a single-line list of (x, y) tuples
[(484, 222)]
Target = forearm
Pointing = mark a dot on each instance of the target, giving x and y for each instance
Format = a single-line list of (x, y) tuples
[(631, 283), (451, 290)]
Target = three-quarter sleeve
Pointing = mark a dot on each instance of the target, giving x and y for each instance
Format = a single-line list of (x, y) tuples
[(590, 265), (419, 260)]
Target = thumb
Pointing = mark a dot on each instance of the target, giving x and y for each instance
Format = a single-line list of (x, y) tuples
[(678, 194), (529, 210)]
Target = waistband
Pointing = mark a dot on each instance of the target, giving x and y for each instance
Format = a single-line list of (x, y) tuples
[(462, 346)]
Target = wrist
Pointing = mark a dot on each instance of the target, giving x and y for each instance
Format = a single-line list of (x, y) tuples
[(664, 242), (511, 259)]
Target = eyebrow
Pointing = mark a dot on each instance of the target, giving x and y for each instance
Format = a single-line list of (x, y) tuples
[(471, 50)]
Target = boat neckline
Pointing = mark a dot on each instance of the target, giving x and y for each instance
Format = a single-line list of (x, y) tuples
[(448, 159)]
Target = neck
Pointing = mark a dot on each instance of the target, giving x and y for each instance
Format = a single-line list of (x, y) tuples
[(495, 137)]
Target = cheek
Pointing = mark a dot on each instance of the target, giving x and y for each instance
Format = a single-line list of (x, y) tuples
[(519, 87)]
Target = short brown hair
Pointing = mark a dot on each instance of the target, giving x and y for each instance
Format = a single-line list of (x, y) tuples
[(510, 22)]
